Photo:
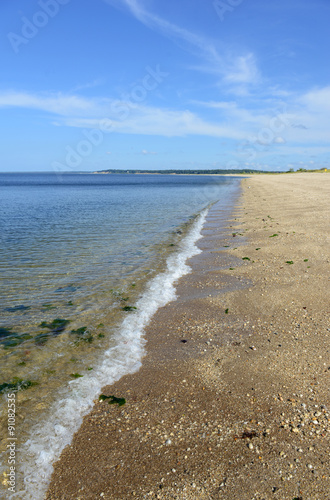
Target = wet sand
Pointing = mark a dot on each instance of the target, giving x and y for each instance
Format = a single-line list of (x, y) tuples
[(231, 400)]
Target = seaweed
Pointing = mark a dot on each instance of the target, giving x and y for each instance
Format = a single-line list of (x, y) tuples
[(226, 311), (246, 258), (48, 307), (113, 400), (289, 262), (80, 331), (84, 335), (56, 326), (17, 308), (42, 338), (75, 375), (14, 340), (17, 384), (128, 308), (69, 288), (272, 236), (305, 260), (5, 332)]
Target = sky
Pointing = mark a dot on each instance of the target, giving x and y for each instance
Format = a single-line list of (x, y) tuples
[(151, 84)]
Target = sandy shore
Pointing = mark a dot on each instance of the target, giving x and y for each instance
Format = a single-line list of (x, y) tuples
[(231, 400)]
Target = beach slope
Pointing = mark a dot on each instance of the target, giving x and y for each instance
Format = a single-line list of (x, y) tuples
[(232, 400)]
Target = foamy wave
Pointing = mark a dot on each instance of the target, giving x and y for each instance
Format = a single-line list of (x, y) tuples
[(50, 437)]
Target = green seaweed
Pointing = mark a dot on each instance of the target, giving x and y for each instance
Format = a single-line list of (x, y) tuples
[(5, 332), (80, 331), (113, 400), (258, 248), (289, 262), (305, 260), (56, 326), (17, 384), (272, 236), (128, 308), (75, 375), (17, 308), (70, 303), (246, 258), (101, 335), (15, 340), (226, 311), (231, 268), (48, 307), (100, 325), (84, 335), (42, 338), (90, 368)]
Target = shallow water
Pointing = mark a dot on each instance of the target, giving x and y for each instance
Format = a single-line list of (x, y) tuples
[(81, 249)]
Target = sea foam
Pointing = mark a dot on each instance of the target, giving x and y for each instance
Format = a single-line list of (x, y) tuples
[(49, 437)]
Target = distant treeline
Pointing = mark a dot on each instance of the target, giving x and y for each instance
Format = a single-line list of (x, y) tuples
[(185, 172)]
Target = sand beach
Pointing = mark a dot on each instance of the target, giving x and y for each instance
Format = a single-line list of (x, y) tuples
[(232, 400)]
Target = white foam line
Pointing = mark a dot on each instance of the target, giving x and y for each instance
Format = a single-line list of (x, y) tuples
[(50, 437)]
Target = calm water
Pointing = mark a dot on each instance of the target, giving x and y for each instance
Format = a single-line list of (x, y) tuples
[(85, 261)]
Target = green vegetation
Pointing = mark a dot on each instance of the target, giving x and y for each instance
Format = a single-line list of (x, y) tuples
[(76, 375), (17, 384), (113, 400), (83, 335), (17, 308), (42, 338), (14, 340), (56, 326), (5, 332), (289, 262), (246, 258), (226, 311), (186, 172), (272, 236), (128, 308), (48, 307)]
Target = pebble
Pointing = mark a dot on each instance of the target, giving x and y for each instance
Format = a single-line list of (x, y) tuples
[(250, 446)]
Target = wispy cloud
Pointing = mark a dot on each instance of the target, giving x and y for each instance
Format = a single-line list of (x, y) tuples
[(58, 104), (234, 69), (307, 123)]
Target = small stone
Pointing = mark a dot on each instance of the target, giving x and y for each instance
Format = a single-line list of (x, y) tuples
[(250, 445), (168, 442)]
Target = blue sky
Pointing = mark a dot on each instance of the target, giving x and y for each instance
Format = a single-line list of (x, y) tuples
[(94, 84)]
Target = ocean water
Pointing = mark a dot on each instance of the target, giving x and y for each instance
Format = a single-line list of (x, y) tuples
[(85, 261)]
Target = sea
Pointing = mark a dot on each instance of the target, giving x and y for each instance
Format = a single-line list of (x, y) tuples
[(86, 259)]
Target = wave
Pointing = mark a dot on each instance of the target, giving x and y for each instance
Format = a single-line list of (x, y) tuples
[(48, 438)]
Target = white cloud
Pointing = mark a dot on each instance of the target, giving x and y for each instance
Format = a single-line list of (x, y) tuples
[(243, 70), (238, 70), (58, 104), (145, 152)]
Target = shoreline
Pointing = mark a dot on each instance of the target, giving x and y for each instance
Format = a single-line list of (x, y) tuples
[(225, 413)]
